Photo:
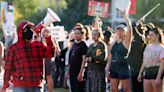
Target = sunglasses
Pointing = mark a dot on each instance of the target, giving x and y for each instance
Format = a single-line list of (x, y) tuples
[(72, 40)]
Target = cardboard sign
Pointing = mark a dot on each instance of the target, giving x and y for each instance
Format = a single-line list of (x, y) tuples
[(4, 9), (123, 5), (8, 14), (126, 5), (99, 9), (58, 33)]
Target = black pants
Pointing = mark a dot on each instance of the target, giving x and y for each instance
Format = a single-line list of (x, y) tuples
[(59, 73), (76, 86), (136, 86)]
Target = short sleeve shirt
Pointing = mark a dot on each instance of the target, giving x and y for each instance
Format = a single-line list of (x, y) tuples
[(153, 54), (76, 53)]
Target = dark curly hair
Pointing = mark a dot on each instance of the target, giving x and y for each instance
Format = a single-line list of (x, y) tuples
[(159, 32)]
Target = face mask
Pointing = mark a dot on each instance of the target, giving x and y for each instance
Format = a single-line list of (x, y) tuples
[(28, 33)]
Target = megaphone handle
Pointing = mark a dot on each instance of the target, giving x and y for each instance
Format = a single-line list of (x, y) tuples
[(38, 28)]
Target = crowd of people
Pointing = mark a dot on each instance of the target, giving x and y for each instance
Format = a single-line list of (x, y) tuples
[(129, 58)]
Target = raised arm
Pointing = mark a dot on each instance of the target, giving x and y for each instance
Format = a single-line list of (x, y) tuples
[(129, 33), (50, 48)]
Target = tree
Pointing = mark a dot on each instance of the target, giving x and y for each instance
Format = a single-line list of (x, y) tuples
[(25, 8), (35, 10), (77, 12), (143, 6)]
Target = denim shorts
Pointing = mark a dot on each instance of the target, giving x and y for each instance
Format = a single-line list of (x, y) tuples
[(27, 89), (119, 70)]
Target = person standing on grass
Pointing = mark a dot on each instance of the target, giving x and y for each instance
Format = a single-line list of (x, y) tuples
[(153, 62), (24, 61), (117, 64), (96, 59), (77, 56)]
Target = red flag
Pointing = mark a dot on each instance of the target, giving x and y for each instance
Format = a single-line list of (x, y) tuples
[(133, 7)]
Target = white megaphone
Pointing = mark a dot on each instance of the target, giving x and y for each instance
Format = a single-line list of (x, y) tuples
[(50, 17)]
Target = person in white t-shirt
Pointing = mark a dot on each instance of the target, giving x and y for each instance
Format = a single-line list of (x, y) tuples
[(153, 62)]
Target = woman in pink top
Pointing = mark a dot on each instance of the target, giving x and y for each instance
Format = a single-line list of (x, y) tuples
[(153, 62)]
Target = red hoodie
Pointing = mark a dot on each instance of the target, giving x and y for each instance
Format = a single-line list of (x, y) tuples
[(24, 61)]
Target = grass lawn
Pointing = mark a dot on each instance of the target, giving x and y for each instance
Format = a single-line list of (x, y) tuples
[(67, 90), (61, 90)]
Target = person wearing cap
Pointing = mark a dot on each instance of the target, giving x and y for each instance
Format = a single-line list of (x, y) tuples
[(117, 64), (24, 61)]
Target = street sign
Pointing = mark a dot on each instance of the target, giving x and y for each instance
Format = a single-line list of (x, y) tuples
[(99, 9)]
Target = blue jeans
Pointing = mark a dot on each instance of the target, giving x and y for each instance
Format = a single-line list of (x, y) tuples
[(27, 89)]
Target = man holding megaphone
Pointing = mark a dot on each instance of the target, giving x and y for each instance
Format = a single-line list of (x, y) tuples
[(24, 59)]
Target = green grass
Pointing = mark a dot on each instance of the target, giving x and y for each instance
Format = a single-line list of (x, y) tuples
[(60, 90)]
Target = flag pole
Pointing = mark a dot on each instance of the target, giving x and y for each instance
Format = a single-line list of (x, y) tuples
[(143, 18)]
